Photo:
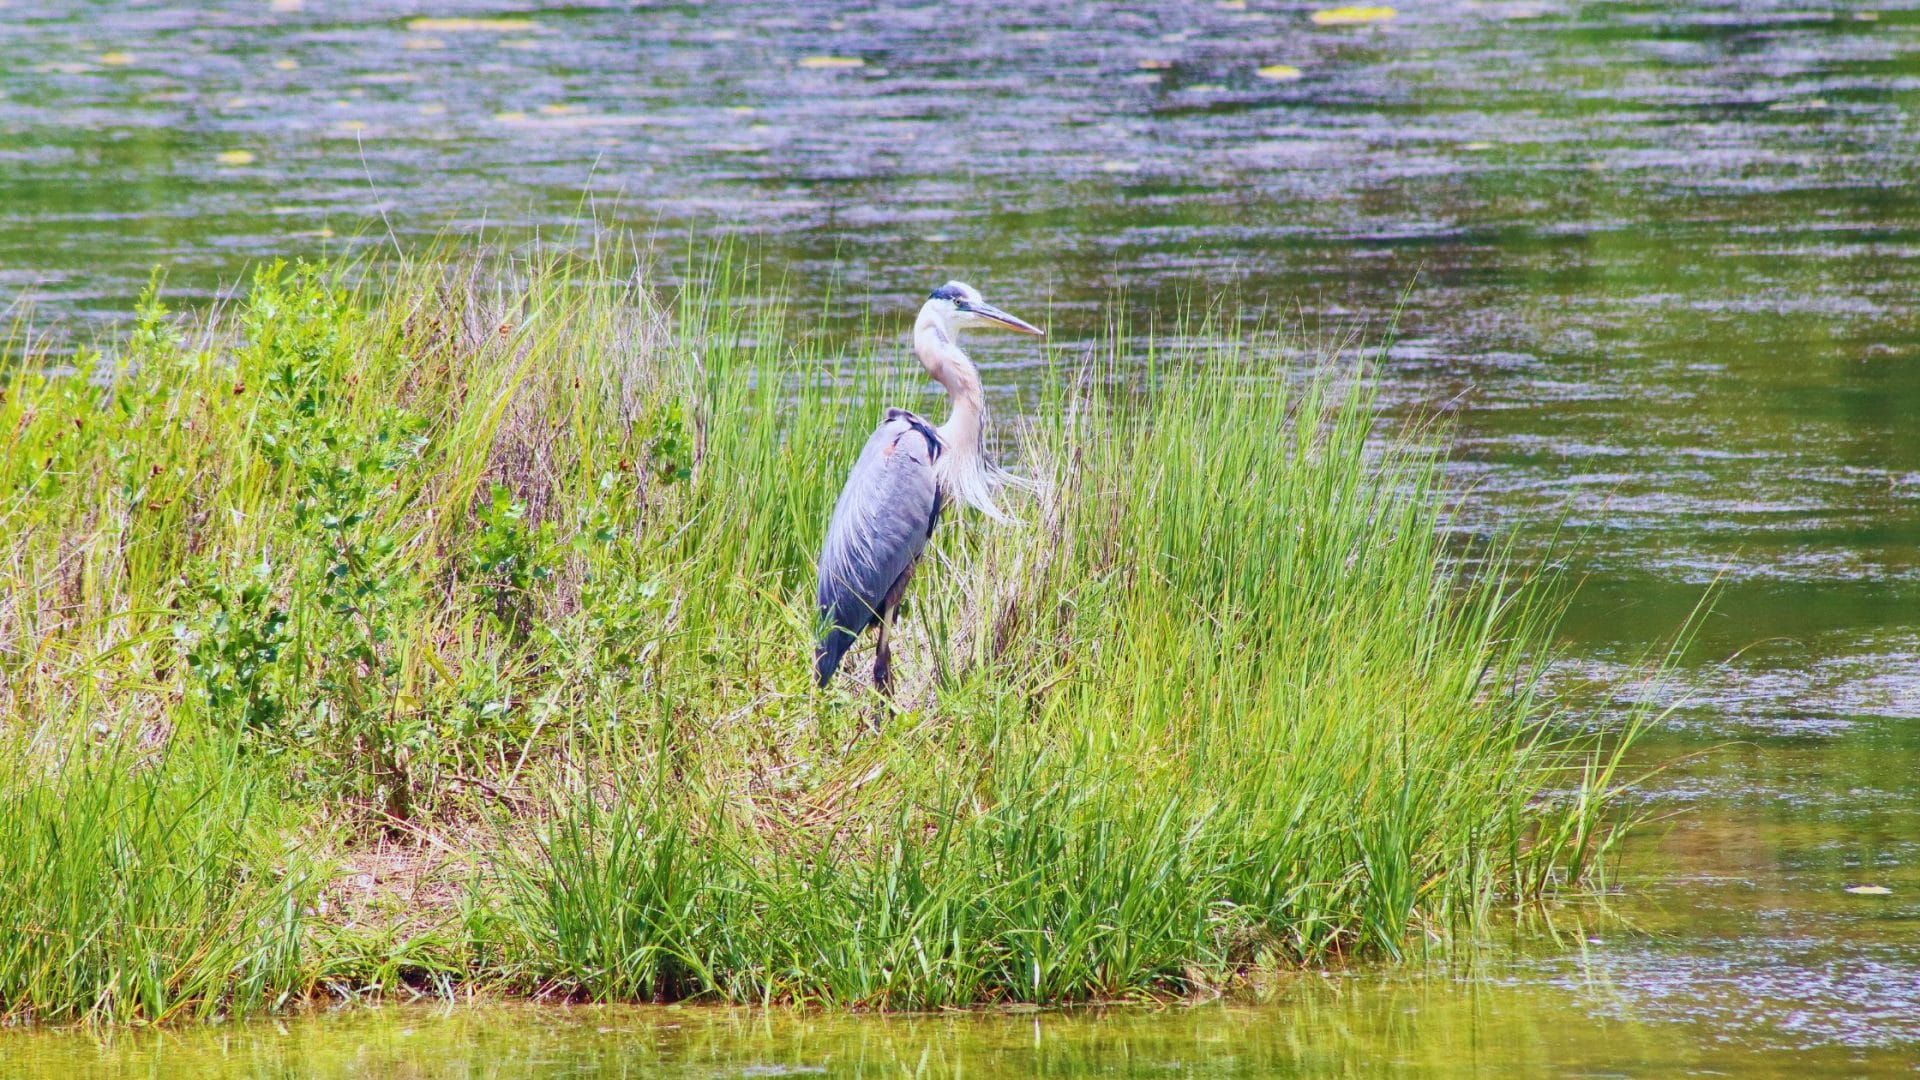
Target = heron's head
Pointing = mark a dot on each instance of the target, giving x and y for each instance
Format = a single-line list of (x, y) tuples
[(960, 307)]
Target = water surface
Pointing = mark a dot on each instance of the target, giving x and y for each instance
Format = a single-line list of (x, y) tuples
[(1321, 1028), (1657, 261)]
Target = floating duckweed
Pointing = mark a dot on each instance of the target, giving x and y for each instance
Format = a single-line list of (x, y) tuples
[(460, 25), (1353, 15)]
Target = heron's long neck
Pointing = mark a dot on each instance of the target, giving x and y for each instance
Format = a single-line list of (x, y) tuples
[(962, 468), (967, 419)]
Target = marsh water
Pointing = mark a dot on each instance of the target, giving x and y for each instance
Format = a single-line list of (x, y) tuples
[(1658, 263)]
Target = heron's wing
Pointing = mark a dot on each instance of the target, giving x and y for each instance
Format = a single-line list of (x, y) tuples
[(882, 521)]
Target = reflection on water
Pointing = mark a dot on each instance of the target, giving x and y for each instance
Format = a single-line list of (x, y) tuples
[(1662, 258), (1322, 1028)]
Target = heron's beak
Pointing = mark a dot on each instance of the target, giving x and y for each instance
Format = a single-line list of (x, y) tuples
[(995, 315)]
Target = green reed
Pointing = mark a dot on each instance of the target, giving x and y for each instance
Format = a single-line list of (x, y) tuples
[(146, 890)]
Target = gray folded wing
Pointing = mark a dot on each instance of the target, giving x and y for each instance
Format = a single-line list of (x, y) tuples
[(879, 527)]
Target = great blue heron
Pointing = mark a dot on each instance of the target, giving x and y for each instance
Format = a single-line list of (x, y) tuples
[(908, 470)]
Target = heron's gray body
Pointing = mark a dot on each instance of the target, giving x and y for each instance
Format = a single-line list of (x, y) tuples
[(880, 526)]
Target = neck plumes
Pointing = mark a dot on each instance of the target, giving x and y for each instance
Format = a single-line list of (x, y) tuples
[(962, 470)]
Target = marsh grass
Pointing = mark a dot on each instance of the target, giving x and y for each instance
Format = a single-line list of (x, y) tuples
[(511, 545), (146, 891)]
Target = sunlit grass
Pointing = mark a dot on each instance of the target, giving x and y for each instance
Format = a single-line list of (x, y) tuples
[(510, 546), (146, 890)]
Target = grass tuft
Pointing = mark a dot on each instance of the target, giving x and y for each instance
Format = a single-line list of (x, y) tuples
[(145, 891)]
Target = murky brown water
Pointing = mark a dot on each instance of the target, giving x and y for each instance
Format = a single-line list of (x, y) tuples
[(1659, 261)]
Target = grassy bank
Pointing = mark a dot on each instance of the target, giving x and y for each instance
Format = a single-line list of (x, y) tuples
[(494, 588)]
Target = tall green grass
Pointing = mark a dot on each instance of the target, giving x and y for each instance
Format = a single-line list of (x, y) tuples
[(1221, 699), (145, 890), (511, 548)]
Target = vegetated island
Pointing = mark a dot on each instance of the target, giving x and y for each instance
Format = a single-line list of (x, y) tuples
[(455, 635)]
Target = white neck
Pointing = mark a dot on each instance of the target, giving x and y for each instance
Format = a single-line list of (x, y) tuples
[(962, 470)]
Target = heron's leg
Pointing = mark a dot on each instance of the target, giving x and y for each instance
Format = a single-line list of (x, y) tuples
[(889, 610), (883, 654)]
